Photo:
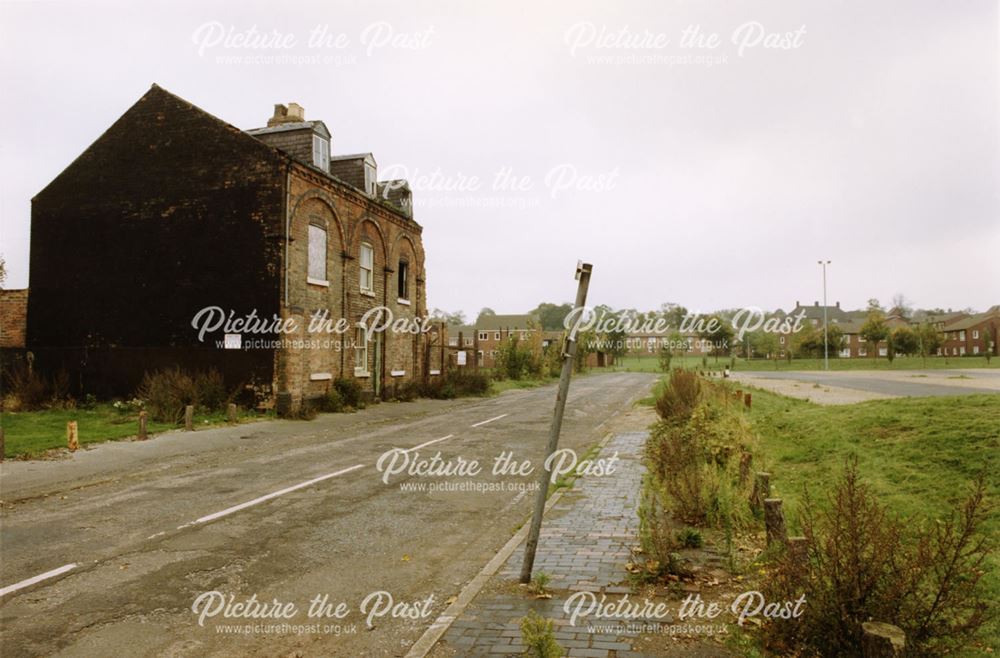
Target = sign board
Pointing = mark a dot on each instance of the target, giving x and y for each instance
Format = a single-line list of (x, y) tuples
[(461, 358)]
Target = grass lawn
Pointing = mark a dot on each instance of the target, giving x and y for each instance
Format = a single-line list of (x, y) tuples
[(30, 433), (918, 454), (652, 363)]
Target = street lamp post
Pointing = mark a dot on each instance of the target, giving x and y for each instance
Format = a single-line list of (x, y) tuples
[(826, 341)]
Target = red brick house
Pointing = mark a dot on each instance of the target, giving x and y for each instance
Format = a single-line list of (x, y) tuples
[(968, 335), (172, 211)]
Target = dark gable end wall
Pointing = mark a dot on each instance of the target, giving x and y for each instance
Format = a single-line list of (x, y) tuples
[(169, 211)]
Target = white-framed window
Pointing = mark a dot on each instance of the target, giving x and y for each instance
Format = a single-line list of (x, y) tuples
[(862, 351), (317, 256), (975, 349), (781, 340), (367, 264), (961, 335), (453, 341), (975, 334), (496, 336), (961, 350), (403, 280), (361, 350), (321, 152), (483, 335)]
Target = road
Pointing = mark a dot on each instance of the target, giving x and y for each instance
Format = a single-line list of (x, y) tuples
[(916, 383), (284, 510)]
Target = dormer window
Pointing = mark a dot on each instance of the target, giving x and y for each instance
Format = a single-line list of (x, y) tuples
[(370, 178), (321, 152)]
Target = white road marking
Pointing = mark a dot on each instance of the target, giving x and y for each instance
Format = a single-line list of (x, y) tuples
[(37, 579), (270, 496), (481, 423), (424, 445)]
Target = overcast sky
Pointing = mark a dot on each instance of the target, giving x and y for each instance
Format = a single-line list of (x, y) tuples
[(710, 176)]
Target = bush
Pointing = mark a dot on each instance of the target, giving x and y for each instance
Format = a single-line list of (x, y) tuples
[(678, 399), (350, 392), (407, 392), (538, 636), (26, 390), (331, 402), (166, 393), (863, 564)]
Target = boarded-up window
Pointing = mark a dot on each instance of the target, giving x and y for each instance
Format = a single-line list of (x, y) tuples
[(317, 253)]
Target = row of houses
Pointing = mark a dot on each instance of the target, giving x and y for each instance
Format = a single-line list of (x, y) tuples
[(960, 333)]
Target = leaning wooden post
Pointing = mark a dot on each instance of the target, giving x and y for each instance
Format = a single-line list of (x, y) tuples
[(72, 438), (761, 490), (880, 640), (583, 271), (143, 432), (774, 522), (231, 413), (189, 418), (747, 400)]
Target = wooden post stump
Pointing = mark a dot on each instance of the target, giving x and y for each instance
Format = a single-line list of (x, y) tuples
[(882, 640), (761, 490), (746, 460), (798, 551), (747, 400), (189, 418), (72, 437), (231, 413), (774, 521), (143, 433)]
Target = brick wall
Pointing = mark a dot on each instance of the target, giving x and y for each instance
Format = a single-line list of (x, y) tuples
[(169, 211), (13, 317)]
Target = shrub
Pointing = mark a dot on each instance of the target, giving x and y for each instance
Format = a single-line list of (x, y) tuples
[(863, 564), (679, 397), (166, 393), (26, 389), (689, 538), (350, 392), (210, 390), (407, 392), (538, 636), (693, 453), (331, 402)]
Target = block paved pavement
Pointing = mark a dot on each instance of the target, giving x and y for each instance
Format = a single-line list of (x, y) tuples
[(585, 544)]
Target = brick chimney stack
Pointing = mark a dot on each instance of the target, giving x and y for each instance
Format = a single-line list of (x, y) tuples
[(291, 113)]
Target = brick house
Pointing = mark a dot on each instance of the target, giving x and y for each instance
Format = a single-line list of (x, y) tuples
[(967, 335), (172, 211), (492, 330)]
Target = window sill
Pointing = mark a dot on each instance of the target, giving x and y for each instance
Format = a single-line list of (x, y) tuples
[(361, 373), (397, 373), (435, 372), (317, 282), (320, 377), (404, 302), (368, 293)]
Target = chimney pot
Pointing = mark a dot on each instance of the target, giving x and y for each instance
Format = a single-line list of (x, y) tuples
[(815, 303)]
